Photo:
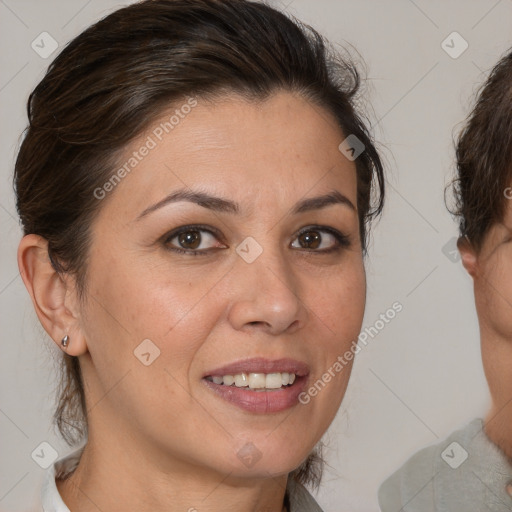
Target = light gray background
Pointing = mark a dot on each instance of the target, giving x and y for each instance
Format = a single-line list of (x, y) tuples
[(421, 377)]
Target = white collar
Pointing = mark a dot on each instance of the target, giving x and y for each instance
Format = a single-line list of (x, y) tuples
[(51, 500)]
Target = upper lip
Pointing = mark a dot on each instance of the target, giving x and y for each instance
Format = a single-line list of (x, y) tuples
[(262, 365)]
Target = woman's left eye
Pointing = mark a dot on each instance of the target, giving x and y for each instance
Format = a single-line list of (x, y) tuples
[(313, 240)]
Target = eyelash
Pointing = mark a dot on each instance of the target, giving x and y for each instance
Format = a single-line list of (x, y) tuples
[(342, 241)]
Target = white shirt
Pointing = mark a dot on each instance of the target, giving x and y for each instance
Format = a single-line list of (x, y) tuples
[(300, 499), (51, 500)]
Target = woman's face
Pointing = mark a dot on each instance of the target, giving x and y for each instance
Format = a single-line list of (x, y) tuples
[(276, 285)]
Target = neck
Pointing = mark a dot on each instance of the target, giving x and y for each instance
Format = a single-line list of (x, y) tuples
[(114, 476), (497, 428)]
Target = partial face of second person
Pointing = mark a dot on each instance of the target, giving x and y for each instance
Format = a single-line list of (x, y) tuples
[(491, 270), (302, 298)]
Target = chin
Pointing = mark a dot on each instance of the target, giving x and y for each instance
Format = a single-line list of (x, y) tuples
[(268, 459)]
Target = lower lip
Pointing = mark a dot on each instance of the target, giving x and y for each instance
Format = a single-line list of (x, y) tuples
[(262, 402)]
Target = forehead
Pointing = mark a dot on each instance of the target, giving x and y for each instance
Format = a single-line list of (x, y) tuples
[(260, 152)]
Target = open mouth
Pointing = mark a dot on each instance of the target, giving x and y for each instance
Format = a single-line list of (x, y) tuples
[(255, 381), (259, 385)]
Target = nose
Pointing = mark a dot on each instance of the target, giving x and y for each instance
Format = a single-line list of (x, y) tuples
[(266, 296)]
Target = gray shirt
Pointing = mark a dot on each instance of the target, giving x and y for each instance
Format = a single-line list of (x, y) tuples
[(300, 499), (464, 473)]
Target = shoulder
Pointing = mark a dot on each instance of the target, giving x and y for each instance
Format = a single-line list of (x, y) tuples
[(413, 481), (300, 498), (461, 471)]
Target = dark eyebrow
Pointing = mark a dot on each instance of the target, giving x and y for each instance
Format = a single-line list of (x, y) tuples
[(315, 203), (202, 199), (225, 205)]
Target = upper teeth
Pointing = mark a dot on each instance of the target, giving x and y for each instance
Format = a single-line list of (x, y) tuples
[(256, 380)]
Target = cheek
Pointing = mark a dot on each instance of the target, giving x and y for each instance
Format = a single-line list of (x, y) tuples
[(339, 303), (127, 305), (125, 309), (144, 299), (493, 296)]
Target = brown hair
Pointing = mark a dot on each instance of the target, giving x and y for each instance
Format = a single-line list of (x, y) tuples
[(115, 78), (484, 156)]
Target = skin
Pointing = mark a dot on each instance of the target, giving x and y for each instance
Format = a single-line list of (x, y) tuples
[(490, 268), (157, 435)]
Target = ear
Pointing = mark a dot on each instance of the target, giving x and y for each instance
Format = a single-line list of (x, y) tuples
[(468, 255), (53, 294)]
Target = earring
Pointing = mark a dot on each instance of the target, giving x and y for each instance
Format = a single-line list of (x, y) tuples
[(65, 341)]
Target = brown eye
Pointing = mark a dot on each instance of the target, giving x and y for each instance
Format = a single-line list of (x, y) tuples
[(189, 239), (313, 238), (310, 239), (193, 240)]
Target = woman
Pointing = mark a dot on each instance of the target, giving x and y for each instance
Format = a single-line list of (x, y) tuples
[(472, 468), (195, 188)]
